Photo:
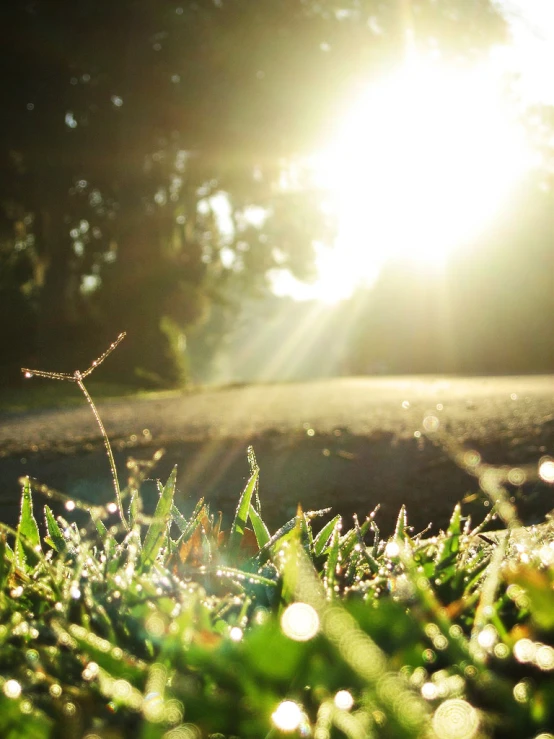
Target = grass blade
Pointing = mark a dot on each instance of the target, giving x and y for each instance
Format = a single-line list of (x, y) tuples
[(401, 525), (260, 529), (241, 515), (108, 541), (349, 540), (322, 538), (179, 520), (55, 537), (28, 536), (253, 463), (330, 568), (446, 564), (162, 518), (134, 507)]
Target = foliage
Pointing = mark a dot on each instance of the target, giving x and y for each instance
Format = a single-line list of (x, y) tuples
[(126, 126), (176, 628)]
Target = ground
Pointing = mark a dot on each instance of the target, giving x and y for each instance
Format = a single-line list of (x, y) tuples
[(349, 443)]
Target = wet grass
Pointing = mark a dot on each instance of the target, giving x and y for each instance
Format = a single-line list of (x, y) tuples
[(168, 626)]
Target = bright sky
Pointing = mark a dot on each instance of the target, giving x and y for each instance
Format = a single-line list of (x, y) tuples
[(532, 26), (425, 160)]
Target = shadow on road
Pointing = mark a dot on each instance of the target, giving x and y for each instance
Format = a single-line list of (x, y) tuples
[(351, 474)]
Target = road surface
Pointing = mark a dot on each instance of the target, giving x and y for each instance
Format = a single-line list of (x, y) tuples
[(350, 443)]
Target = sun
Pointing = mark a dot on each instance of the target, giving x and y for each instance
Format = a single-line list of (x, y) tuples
[(422, 162)]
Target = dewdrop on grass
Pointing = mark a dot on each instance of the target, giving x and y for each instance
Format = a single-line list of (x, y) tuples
[(287, 716)]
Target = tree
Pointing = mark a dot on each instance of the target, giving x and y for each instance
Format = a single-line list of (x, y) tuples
[(137, 136)]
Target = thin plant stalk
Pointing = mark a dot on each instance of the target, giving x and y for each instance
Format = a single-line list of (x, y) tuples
[(108, 446), (78, 378)]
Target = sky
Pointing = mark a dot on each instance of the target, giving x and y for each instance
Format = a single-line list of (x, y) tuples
[(532, 28)]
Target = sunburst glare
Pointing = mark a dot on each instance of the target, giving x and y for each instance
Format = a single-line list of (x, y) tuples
[(422, 162)]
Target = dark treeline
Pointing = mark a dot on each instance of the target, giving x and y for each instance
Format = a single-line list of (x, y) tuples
[(137, 139)]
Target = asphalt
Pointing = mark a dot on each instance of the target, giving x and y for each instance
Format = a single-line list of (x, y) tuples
[(348, 443)]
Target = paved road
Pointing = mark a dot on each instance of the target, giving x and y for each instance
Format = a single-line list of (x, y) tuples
[(346, 442)]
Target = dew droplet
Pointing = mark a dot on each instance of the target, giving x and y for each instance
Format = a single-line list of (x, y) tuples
[(69, 708), (546, 469), (344, 700), (287, 716), (235, 633), (516, 476), (455, 719), (12, 689), (488, 637), (300, 622), (544, 658), (525, 650), (431, 424), (429, 691), (522, 691)]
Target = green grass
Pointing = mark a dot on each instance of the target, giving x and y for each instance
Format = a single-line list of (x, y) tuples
[(41, 394), (175, 628)]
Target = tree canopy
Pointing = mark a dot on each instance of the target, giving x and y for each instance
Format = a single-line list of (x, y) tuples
[(148, 148)]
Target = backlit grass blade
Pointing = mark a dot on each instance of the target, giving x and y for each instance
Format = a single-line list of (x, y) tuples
[(401, 525), (253, 463), (179, 520), (281, 535), (241, 514), (55, 536), (157, 530), (242, 578), (134, 507), (367, 554), (28, 536), (330, 568), (350, 539), (286, 532), (306, 529), (260, 529), (489, 588), (108, 541), (322, 538), (446, 564)]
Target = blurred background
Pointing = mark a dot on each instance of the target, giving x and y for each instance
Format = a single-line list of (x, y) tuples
[(272, 190)]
